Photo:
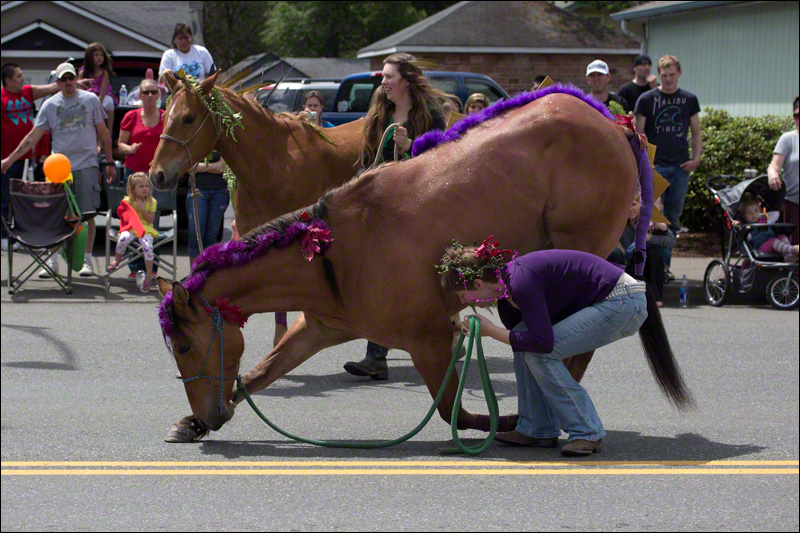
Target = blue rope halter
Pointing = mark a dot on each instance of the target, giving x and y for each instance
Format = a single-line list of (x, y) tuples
[(218, 321)]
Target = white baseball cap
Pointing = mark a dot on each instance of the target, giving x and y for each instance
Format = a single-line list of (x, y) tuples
[(65, 68), (597, 66)]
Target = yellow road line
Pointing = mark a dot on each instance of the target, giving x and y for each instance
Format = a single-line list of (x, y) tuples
[(402, 472), (388, 463)]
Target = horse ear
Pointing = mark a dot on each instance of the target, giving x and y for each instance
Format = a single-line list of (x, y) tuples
[(163, 286), (179, 294), (209, 82), (168, 78)]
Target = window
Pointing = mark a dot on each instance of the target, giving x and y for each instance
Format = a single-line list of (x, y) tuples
[(282, 100), (477, 85), (357, 95)]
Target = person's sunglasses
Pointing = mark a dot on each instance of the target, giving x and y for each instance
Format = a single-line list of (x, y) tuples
[(150, 93), (69, 77), (797, 115)]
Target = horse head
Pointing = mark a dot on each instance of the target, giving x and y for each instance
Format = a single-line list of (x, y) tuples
[(197, 336), (189, 132)]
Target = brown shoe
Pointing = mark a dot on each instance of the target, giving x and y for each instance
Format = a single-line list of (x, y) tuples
[(515, 438), (579, 447)]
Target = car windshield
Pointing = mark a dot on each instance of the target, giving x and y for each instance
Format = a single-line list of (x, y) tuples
[(356, 94), (282, 100)]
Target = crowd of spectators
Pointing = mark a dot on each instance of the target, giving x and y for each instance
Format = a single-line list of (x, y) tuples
[(78, 121)]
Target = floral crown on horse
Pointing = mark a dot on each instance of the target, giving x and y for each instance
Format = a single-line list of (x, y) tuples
[(495, 258)]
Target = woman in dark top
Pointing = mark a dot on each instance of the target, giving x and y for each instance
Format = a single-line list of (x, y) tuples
[(408, 99), (555, 304)]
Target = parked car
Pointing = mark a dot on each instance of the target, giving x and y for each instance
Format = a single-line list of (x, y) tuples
[(355, 92), (288, 97)]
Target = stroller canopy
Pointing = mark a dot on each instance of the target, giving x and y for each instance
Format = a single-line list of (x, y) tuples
[(730, 197)]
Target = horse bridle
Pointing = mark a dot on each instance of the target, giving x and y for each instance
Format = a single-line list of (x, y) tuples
[(187, 141)]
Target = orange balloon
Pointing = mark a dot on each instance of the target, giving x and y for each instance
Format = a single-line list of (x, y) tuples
[(57, 168)]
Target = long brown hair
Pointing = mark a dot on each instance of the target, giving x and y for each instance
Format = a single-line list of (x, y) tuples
[(88, 61), (423, 96)]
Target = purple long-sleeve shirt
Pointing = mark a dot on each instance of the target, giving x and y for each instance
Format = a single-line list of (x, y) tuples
[(548, 286)]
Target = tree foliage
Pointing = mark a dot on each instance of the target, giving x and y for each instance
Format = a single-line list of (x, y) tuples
[(730, 145), (232, 29)]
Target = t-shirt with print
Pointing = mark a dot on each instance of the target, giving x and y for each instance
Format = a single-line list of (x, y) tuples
[(631, 92), (787, 147), (17, 119), (72, 122), (667, 123), (196, 63)]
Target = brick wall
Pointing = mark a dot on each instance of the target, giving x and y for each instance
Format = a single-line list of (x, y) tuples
[(515, 72)]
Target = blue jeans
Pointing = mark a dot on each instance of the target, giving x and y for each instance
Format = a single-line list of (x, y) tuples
[(14, 172), (211, 208), (675, 195), (549, 398)]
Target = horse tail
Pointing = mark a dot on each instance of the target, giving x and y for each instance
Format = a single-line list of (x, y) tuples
[(330, 277), (660, 358)]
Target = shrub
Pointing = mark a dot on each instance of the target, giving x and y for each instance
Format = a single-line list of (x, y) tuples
[(730, 145)]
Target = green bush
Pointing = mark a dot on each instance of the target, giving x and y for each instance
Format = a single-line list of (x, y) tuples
[(730, 145)]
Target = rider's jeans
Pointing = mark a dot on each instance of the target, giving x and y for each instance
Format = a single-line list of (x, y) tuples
[(550, 400)]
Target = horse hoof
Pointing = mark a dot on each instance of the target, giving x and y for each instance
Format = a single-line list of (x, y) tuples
[(185, 431)]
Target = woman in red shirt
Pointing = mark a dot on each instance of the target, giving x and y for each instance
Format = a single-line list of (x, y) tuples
[(141, 131)]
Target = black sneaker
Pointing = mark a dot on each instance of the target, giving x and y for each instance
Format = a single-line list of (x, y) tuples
[(377, 369)]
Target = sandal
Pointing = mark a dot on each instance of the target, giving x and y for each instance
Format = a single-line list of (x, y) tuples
[(186, 431), (146, 285), (113, 266)]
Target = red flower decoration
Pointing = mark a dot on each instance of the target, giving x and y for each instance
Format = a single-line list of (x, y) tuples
[(310, 244), (304, 216), (230, 312)]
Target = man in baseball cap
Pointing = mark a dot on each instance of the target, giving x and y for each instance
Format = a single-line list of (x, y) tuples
[(642, 82), (597, 77), (65, 68)]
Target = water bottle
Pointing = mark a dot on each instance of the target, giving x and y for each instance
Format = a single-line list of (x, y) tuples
[(141, 275), (684, 292), (123, 95)]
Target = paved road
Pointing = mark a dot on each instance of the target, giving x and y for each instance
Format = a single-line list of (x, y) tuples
[(90, 380)]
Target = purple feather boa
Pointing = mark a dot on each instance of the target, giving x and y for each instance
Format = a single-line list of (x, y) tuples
[(436, 137), (234, 254)]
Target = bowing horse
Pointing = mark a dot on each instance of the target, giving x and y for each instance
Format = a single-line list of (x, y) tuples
[(281, 162), (548, 168)]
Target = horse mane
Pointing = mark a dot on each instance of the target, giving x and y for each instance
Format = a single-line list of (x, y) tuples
[(279, 233), (435, 138)]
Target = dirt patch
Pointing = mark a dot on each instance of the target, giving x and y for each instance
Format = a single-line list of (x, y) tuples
[(697, 245)]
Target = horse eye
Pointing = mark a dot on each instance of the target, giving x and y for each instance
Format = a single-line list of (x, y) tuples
[(188, 119), (184, 348)]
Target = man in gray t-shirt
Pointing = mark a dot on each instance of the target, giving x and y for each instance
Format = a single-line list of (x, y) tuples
[(785, 156), (76, 120)]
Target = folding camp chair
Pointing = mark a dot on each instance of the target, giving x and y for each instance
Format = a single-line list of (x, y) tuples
[(41, 221), (167, 203)]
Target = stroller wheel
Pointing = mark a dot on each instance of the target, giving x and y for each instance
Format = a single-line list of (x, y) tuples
[(717, 283), (783, 291)]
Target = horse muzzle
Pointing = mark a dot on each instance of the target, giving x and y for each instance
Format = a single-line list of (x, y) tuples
[(216, 417), (163, 181)]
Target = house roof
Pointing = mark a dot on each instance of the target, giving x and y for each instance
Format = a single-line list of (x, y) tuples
[(515, 27), (654, 9), (328, 67)]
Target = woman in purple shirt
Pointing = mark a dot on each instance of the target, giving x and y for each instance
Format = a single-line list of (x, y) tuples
[(555, 304)]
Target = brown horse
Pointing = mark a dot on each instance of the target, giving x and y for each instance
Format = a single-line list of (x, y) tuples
[(280, 162), (551, 172)]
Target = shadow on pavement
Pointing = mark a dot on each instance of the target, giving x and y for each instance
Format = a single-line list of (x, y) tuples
[(59, 347)]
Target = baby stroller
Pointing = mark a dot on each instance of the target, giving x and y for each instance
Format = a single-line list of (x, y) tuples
[(744, 268)]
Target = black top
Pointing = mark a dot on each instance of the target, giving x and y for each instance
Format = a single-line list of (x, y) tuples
[(618, 99), (631, 92), (209, 180), (667, 123), (388, 151)]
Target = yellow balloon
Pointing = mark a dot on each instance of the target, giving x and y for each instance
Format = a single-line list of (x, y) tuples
[(57, 168)]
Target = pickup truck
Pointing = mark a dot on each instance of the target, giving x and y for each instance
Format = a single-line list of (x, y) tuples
[(355, 92)]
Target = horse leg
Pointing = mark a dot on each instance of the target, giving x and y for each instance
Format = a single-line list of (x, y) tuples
[(280, 328), (577, 364), (305, 338), (431, 363)]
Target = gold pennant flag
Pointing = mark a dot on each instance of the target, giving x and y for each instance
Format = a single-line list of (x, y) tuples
[(245, 90), (547, 82), (231, 82), (454, 117), (659, 185)]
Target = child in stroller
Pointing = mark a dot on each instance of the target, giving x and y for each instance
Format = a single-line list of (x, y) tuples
[(764, 239)]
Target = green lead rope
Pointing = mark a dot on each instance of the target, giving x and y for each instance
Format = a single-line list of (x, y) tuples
[(491, 402)]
